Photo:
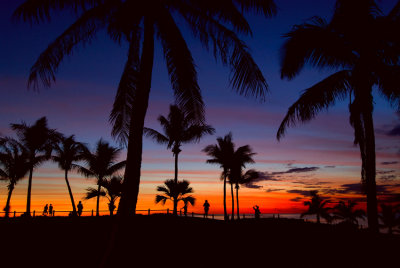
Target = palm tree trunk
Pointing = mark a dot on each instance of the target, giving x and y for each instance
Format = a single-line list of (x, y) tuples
[(7, 208), (28, 197), (237, 202), (131, 184), (372, 203), (70, 194), (98, 198), (233, 202), (176, 181), (225, 212)]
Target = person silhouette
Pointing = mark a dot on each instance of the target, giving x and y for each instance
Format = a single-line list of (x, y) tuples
[(46, 207), (206, 206), (256, 212), (185, 209), (51, 210), (80, 208)]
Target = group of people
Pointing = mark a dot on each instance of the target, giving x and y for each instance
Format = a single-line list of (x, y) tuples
[(49, 210)]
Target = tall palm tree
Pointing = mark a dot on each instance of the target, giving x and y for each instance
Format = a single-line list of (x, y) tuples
[(39, 141), (175, 191), (66, 153), (222, 154), (317, 206), (101, 163), (240, 178), (14, 165), (389, 217), (363, 45), (215, 24), (242, 156), (347, 213), (178, 129), (112, 191)]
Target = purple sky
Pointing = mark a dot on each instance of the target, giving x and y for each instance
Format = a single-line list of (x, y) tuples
[(81, 100)]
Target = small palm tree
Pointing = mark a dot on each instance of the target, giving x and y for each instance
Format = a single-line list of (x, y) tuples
[(389, 217), (112, 191), (14, 165), (39, 141), (316, 206), (66, 153), (178, 129), (101, 164), (222, 154), (243, 179), (175, 191), (347, 213)]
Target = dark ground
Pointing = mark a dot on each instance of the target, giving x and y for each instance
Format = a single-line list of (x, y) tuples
[(151, 241)]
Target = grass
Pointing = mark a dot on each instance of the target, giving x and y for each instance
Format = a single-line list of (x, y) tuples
[(160, 240)]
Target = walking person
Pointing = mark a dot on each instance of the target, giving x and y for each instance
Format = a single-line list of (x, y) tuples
[(51, 210), (206, 206), (46, 207), (80, 208)]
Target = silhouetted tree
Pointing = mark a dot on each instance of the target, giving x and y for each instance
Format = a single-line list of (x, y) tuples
[(363, 45), (112, 191), (66, 153), (317, 206), (389, 217), (39, 141), (243, 179), (212, 22), (178, 129), (175, 191), (346, 212), (222, 154), (14, 165), (101, 164)]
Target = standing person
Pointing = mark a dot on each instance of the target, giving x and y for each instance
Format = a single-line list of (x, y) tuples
[(46, 207), (256, 212), (185, 209), (51, 210), (80, 208), (206, 206)]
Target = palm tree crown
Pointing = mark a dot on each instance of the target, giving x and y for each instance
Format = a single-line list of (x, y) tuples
[(178, 191), (317, 206), (346, 212), (362, 44)]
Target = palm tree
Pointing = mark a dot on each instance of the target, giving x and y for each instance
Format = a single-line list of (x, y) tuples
[(316, 206), (222, 154), (362, 45), (101, 164), (243, 179), (14, 165), (389, 217), (178, 129), (113, 190), (215, 24), (66, 153), (347, 213), (39, 141), (175, 191)]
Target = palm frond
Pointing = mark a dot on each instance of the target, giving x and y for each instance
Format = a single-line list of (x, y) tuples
[(155, 135), (93, 192), (161, 198), (314, 99)]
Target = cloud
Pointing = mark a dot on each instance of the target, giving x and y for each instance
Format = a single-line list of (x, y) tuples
[(304, 193), (389, 163), (388, 178), (297, 170), (270, 190), (329, 166), (251, 185), (296, 199), (395, 131)]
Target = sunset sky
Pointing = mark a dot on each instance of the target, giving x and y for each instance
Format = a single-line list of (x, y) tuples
[(319, 155)]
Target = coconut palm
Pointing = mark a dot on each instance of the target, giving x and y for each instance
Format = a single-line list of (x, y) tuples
[(389, 217), (175, 191), (363, 46), (66, 153), (112, 191), (39, 141), (240, 178), (101, 163), (178, 129), (317, 206), (222, 154), (347, 213), (14, 165), (215, 24)]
